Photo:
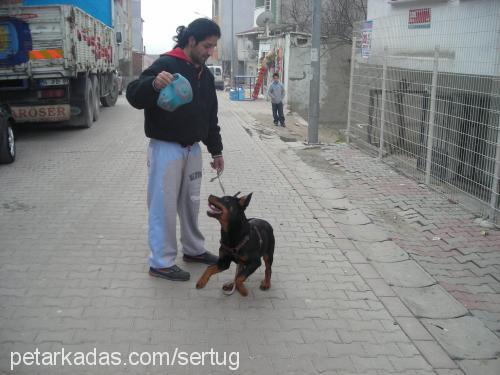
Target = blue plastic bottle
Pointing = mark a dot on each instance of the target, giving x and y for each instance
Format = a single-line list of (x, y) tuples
[(241, 93), (177, 93)]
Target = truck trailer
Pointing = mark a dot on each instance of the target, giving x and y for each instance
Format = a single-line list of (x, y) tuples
[(58, 62)]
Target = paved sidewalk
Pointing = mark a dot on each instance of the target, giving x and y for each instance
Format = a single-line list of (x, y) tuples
[(432, 252), (73, 270)]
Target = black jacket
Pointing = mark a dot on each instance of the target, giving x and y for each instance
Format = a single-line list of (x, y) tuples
[(192, 122)]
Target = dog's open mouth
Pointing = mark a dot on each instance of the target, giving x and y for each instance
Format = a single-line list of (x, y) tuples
[(213, 209)]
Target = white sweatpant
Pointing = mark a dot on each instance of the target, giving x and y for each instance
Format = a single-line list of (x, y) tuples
[(173, 188)]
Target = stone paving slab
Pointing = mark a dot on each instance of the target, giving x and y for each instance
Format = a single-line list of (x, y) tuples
[(465, 337), (327, 194), (431, 302), (407, 274), (352, 217), (337, 204), (368, 233), (385, 251), (483, 367), (436, 356)]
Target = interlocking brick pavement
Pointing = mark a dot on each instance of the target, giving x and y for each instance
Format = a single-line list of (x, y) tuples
[(73, 269)]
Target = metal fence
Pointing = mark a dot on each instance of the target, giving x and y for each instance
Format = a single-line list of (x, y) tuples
[(427, 101)]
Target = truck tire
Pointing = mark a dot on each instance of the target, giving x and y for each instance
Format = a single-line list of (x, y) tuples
[(88, 104), (7, 141), (110, 99), (97, 106), (81, 102)]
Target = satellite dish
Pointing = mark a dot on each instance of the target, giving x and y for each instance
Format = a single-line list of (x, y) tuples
[(264, 18)]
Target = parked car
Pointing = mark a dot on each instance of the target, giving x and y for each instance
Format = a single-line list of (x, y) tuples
[(7, 138), (218, 76)]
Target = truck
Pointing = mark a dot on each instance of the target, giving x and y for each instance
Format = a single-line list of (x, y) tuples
[(58, 60)]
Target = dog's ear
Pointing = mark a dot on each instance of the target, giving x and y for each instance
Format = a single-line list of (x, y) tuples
[(244, 201)]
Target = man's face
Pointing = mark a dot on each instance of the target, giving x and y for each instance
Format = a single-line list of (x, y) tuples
[(201, 51), (276, 79)]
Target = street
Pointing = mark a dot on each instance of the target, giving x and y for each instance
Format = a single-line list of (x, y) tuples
[(347, 296)]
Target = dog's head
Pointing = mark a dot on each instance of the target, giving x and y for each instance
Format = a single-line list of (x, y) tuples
[(228, 209)]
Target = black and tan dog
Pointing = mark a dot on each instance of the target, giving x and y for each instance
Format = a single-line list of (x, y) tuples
[(243, 241)]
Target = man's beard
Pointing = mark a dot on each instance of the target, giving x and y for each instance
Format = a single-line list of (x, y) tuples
[(199, 59)]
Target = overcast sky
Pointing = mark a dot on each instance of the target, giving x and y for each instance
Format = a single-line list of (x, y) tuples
[(161, 18)]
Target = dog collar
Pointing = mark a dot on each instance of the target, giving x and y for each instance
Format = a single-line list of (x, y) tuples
[(236, 249)]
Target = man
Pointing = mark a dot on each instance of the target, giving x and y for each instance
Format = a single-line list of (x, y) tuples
[(277, 92), (174, 154)]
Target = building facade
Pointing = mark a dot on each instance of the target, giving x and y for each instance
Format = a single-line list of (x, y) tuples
[(127, 21), (233, 16), (137, 40)]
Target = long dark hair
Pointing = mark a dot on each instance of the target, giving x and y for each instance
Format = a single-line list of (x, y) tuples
[(200, 29)]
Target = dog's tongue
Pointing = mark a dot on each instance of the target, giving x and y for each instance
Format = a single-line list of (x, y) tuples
[(213, 210)]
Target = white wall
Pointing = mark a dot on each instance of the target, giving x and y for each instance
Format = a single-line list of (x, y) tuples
[(467, 33), (334, 81)]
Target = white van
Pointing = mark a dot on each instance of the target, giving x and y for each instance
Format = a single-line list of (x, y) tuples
[(218, 77)]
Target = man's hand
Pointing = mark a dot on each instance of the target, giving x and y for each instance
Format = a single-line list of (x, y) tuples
[(162, 79), (218, 163)]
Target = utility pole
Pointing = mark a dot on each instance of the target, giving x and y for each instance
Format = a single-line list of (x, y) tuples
[(129, 41), (232, 43), (312, 131)]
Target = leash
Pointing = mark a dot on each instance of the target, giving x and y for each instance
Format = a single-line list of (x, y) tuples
[(220, 182), (229, 292), (226, 292)]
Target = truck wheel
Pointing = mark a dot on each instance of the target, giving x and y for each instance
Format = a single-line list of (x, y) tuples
[(110, 99), (95, 90), (7, 142), (88, 104)]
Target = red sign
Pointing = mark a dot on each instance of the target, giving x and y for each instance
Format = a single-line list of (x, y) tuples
[(419, 18)]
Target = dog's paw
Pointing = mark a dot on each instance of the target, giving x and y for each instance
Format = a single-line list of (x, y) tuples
[(201, 284), (265, 285), (243, 291)]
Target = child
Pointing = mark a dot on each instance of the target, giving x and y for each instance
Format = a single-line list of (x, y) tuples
[(277, 92)]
